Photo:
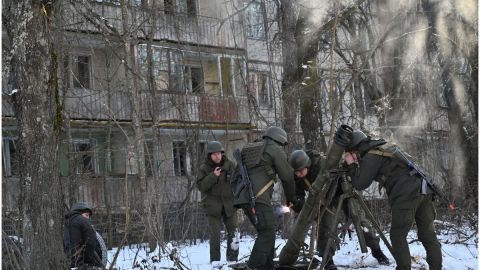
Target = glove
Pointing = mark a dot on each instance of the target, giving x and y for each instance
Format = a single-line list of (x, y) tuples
[(297, 205)]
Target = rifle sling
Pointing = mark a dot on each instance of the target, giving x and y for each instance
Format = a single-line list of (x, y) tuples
[(264, 188), (394, 163), (381, 153)]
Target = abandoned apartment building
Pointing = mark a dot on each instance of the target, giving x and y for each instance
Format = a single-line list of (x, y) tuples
[(214, 76)]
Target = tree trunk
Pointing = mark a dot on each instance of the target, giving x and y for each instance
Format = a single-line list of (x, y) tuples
[(156, 221), (37, 108), (142, 206), (290, 64)]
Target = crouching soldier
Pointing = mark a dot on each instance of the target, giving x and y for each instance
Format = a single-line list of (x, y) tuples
[(306, 166)]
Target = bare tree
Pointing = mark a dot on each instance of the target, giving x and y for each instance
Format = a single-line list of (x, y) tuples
[(32, 56)]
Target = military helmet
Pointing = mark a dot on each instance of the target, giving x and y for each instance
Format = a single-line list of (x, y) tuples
[(299, 160), (277, 134), (82, 207), (214, 146), (357, 137)]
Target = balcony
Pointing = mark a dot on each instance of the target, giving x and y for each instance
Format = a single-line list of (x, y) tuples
[(178, 27), (169, 107), (98, 190)]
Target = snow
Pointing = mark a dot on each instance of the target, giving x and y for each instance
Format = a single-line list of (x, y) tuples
[(457, 254)]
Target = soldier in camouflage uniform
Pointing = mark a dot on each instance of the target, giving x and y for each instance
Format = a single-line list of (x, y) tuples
[(409, 200), (306, 166), (264, 161), (217, 198)]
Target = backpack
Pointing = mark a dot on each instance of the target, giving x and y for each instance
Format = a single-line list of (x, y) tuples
[(251, 157)]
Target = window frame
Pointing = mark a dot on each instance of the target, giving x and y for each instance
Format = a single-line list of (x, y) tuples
[(170, 8), (184, 171), (257, 30), (71, 60), (148, 153), (187, 76), (256, 88), (95, 165)]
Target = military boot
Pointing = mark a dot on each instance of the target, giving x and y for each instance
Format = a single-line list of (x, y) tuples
[(381, 258), (330, 265)]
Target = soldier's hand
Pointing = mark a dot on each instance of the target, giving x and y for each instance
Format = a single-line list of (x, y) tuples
[(296, 206), (217, 171), (350, 158)]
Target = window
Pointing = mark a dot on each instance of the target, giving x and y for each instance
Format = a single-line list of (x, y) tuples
[(179, 158), (192, 7), (188, 7), (201, 147), (193, 76), (85, 156), (255, 23), (167, 67), (149, 161), (169, 6), (81, 72), (9, 157), (259, 87), (264, 97), (141, 3), (78, 73)]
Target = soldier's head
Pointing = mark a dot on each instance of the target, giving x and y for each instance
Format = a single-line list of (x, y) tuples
[(215, 151), (277, 134), (300, 162), (83, 208), (357, 138)]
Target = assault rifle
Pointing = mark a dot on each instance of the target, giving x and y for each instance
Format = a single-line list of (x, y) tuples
[(245, 183), (403, 157)]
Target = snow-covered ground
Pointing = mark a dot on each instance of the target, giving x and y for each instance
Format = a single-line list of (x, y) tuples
[(196, 257)]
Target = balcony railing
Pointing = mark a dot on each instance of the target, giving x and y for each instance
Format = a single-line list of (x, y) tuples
[(100, 190), (169, 107), (178, 27)]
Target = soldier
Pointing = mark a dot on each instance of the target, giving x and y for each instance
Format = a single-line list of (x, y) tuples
[(409, 200), (264, 161), (306, 166), (213, 181)]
